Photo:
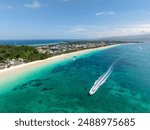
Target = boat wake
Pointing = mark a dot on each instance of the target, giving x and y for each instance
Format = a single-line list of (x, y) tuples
[(102, 79)]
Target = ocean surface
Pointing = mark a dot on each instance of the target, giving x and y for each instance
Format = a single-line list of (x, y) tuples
[(31, 42), (63, 87)]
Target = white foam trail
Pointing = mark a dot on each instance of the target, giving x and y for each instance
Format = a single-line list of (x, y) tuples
[(102, 79)]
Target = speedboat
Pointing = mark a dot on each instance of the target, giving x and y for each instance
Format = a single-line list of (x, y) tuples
[(101, 80)]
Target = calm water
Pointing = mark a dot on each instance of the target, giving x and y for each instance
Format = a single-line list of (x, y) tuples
[(31, 42), (64, 86)]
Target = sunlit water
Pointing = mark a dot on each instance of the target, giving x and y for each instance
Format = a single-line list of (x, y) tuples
[(64, 86)]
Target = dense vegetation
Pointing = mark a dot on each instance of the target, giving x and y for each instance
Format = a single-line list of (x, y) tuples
[(27, 53)]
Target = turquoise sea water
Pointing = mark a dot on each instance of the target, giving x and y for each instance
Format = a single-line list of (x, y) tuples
[(64, 86)]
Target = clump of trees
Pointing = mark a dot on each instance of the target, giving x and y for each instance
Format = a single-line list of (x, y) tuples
[(28, 53)]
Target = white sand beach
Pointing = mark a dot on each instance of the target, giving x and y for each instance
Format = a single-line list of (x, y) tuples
[(27, 66)]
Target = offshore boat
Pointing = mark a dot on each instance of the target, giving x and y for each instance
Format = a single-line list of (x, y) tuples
[(74, 58), (101, 80), (140, 47)]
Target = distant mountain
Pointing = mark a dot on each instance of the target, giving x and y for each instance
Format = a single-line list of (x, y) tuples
[(145, 37)]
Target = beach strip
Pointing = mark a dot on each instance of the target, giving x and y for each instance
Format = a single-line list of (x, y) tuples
[(23, 67)]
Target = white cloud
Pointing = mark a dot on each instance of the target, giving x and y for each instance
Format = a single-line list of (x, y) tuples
[(125, 30), (7, 7), (100, 13), (92, 31), (136, 29), (33, 5), (105, 13)]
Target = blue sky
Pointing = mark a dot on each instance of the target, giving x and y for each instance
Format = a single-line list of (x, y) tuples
[(73, 19)]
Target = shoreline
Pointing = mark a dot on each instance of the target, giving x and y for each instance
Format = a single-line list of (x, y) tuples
[(24, 67)]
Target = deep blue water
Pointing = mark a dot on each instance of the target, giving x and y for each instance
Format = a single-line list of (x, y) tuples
[(31, 42)]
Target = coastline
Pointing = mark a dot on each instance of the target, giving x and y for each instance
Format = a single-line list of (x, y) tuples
[(24, 67)]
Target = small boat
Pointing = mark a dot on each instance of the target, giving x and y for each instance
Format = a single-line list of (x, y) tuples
[(101, 80), (140, 47), (74, 58)]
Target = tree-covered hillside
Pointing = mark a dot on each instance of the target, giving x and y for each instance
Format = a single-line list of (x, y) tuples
[(27, 53)]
